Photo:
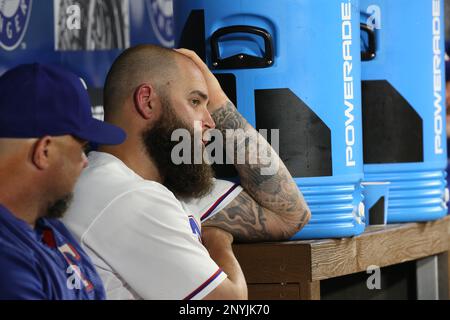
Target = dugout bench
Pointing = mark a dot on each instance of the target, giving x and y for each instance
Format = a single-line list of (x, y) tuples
[(295, 269)]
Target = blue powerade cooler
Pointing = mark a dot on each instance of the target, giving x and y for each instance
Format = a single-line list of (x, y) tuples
[(403, 100), (293, 65)]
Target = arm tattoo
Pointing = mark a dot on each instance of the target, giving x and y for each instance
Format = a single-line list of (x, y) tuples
[(271, 207)]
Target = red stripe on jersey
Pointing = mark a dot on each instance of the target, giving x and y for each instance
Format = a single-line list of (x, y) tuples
[(211, 209), (48, 238), (204, 285)]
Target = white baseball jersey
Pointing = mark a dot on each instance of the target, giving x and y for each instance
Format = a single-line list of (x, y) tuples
[(144, 242)]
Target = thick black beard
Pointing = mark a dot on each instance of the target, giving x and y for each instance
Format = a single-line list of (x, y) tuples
[(57, 209), (184, 180)]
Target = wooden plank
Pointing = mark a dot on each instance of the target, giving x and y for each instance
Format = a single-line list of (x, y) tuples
[(274, 262), (310, 290), (381, 246), (298, 261), (407, 243), (273, 291), (333, 258)]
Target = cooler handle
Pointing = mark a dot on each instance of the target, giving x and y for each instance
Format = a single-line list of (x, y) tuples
[(370, 53), (242, 60)]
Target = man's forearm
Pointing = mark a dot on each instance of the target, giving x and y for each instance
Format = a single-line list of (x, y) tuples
[(226, 260), (272, 207), (276, 191), (221, 252)]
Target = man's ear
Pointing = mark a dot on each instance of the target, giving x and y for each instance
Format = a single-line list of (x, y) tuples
[(145, 99), (41, 153)]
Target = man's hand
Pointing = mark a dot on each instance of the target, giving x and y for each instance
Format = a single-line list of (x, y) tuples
[(212, 236), (217, 98)]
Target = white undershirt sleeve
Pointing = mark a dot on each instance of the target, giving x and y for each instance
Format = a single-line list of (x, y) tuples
[(222, 193)]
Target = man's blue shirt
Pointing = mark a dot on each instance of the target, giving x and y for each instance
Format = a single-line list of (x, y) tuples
[(44, 263)]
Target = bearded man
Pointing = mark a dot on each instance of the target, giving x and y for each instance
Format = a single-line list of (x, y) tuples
[(139, 214)]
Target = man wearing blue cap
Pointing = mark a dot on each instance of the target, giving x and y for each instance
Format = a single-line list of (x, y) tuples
[(45, 122)]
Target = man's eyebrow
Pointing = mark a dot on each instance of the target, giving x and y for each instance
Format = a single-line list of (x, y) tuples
[(203, 95)]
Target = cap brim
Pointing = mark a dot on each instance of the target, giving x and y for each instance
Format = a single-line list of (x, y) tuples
[(102, 133)]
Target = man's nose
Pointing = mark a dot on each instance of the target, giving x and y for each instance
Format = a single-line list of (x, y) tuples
[(84, 160), (208, 121)]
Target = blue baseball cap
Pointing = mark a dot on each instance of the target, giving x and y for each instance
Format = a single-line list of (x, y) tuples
[(38, 100)]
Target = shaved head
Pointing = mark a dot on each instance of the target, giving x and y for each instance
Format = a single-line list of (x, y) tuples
[(135, 66), (151, 92)]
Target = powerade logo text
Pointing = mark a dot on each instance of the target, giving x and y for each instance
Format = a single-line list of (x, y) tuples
[(437, 78), (161, 17), (14, 16), (347, 40)]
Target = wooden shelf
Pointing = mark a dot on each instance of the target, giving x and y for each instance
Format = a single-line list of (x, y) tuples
[(293, 270)]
